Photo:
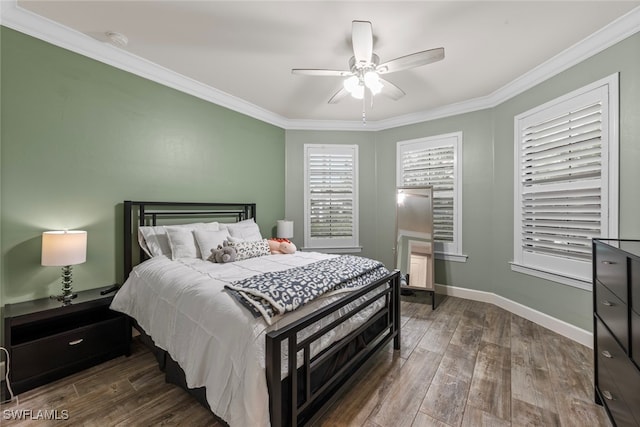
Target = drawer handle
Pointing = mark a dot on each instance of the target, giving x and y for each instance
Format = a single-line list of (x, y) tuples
[(607, 303), (609, 262), (607, 395), (76, 342), (606, 354)]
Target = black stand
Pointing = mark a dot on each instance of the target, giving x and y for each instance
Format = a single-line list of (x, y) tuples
[(413, 292)]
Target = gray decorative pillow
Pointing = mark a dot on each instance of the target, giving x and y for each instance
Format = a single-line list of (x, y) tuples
[(246, 250)]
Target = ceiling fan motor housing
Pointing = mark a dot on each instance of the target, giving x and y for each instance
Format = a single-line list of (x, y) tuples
[(363, 67)]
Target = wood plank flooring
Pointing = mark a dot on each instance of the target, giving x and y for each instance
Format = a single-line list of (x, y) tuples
[(465, 364)]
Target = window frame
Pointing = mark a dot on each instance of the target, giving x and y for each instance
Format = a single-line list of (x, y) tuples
[(351, 244), (445, 251), (574, 273)]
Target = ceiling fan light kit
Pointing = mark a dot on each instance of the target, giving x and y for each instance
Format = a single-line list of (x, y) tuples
[(365, 68)]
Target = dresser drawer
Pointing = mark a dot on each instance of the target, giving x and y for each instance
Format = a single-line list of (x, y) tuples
[(618, 379), (611, 270), (635, 285), (613, 313), (60, 351), (635, 338)]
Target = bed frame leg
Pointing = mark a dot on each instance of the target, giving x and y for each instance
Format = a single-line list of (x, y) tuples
[(273, 353)]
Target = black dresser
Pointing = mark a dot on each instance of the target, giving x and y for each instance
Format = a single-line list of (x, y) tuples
[(616, 326)]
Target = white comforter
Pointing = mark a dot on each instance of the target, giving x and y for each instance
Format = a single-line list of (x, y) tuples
[(183, 306)]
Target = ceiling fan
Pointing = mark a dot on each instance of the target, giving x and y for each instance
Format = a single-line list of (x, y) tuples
[(365, 67)]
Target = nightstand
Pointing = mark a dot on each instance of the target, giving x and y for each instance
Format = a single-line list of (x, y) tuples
[(48, 340)]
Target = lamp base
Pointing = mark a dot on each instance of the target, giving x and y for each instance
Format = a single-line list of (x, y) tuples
[(65, 299), (67, 293)]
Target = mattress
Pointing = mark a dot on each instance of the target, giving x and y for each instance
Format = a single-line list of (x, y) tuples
[(219, 343)]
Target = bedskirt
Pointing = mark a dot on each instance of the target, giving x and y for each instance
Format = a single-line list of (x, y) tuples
[(174, 374)]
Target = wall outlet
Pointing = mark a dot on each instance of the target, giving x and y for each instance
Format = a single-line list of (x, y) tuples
[(2, 371)]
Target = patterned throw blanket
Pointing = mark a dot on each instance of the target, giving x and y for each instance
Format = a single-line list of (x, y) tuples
[(279, 292)]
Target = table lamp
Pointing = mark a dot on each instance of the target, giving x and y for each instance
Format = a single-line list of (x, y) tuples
[(284, 229), (64, 249)]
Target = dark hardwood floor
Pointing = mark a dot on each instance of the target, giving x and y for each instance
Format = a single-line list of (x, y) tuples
[(465, 364)]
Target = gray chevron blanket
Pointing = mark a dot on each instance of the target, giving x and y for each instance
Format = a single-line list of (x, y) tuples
[(274, 293)]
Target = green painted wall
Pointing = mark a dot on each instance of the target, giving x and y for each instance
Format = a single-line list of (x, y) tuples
[(476, 191), (564, 302), (78, 137), (487, 185), (368, 202)]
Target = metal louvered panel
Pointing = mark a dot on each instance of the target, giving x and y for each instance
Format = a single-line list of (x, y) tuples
[(560, 173), (331, 186), (434, 166), (443, 218)]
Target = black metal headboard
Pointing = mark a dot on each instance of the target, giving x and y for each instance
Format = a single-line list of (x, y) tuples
[(154, 213)]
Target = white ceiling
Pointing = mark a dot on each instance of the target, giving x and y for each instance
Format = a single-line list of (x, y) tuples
[(247, 49)]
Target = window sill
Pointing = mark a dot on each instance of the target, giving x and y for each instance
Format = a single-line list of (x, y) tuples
[(345, 250), (451, 257), (554, 277)]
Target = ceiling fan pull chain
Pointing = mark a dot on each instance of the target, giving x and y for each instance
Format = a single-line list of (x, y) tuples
[(364, 104)]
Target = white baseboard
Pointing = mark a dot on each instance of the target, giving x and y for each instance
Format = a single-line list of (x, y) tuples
[(561, 327)]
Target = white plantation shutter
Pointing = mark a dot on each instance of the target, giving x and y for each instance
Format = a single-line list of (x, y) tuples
[(435, 161), (560, 171), (562, 180), (331, 209), (433, 166)]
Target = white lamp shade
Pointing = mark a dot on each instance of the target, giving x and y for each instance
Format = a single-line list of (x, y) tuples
[(62, 248), (284, 229)]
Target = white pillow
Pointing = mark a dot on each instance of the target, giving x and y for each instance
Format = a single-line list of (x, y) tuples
[(154, 241), (247, 230), (182, 242), (209, 239)]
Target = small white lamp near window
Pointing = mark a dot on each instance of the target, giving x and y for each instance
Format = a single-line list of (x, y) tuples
[(284, 229), (64, 249)]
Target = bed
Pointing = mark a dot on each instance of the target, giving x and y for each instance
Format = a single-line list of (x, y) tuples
[(236, 361)]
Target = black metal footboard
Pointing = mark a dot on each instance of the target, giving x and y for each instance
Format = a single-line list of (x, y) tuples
[(298, 399)]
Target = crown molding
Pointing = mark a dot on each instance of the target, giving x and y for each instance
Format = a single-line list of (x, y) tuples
[(24, 21), (341, 125), (12, 16), (618, 30)]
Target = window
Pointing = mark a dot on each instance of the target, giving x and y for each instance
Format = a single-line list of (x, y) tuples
[(331, 196), (566, 175), (437, 161)]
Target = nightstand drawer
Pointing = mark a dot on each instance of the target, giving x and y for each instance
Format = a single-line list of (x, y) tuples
[(613, 313), (618, 379), (56, 352), (611, 270)]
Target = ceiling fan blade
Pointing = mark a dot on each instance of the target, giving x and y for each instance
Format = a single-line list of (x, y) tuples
[(339, 96), (321, 73), (390, 90), (362, 41), (411, 61)]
